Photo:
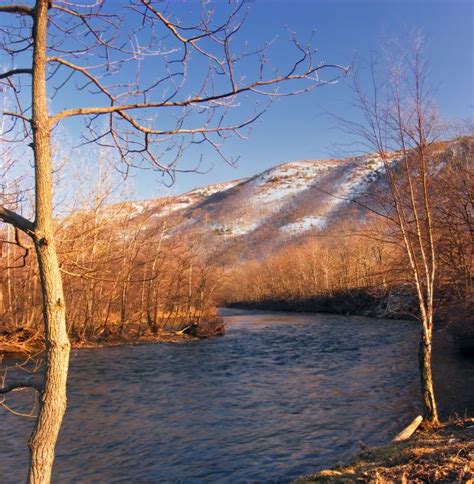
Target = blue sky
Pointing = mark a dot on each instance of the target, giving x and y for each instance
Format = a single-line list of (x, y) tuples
[(298, 128)]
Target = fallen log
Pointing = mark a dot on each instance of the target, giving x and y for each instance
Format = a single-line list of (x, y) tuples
[(190, 330), (407, 432)]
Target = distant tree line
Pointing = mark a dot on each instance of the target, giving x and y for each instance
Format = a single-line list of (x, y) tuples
[(369, 256)]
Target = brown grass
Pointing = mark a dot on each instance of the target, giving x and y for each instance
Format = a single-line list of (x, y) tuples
[(445, 454), (27, 341)]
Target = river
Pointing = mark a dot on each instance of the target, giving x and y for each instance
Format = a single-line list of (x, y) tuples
[(278, 396)]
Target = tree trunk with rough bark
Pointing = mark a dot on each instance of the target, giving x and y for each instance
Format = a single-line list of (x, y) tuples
[(426, 380), (53, 396)]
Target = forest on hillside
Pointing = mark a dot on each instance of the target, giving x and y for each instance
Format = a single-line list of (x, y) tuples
[(362, 267), (95, 93), (127, 278)]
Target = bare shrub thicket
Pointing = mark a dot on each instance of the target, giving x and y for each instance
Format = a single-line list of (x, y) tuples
[(124, 276), (145, 83), (323, 265)]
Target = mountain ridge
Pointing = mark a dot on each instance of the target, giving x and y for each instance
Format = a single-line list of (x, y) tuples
[(288, 201)]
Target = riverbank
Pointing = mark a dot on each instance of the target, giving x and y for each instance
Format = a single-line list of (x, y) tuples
[(219, 402), (26, 341), (393, 304), (442, 455)]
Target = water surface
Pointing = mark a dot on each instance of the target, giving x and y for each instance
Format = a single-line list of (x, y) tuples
[(278, 396)]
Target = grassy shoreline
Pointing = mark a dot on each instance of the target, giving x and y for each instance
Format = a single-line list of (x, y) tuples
[(22, 341), (445, 454), (37, 346)]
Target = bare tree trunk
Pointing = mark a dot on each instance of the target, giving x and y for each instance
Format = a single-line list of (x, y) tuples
[(68, 40), (53, 397), (426, 380)]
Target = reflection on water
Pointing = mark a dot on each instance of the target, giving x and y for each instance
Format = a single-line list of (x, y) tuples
[(277, 397)]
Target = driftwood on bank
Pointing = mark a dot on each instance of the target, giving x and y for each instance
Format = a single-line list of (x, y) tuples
[(190, 330), (407, 432), (213, 327)]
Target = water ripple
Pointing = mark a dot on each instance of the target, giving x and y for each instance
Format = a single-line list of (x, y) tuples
[(278, 396)]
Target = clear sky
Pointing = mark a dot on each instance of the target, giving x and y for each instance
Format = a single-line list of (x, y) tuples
[(298, 128)]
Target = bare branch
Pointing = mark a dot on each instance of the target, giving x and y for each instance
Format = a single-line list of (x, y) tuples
[(253, 87), (18, 221), (17, 385), (17, 9), (13, 72)]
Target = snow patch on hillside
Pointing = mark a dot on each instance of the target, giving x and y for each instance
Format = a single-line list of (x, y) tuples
[(281, 182), (175, 205), (204, 192), (191, 198), (307, 223), (356, 182), (241, 227), (137, 207)]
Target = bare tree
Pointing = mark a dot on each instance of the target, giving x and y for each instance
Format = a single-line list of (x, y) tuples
[(401, 125), (151, 95)]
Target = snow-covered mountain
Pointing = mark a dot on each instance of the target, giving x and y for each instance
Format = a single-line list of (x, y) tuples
[(269, 209), (285, 203)]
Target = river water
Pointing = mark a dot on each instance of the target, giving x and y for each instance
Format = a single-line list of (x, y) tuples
[(278, 396)]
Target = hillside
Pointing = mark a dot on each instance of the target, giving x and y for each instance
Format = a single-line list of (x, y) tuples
[(251, 218), (265, 211), (254, 241)]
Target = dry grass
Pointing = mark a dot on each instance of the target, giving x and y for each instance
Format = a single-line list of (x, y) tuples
[(20, 341), (445, 454), (27, 342)]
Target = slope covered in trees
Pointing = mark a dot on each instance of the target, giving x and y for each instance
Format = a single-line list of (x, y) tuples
[(137, 268), (360, 266)]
